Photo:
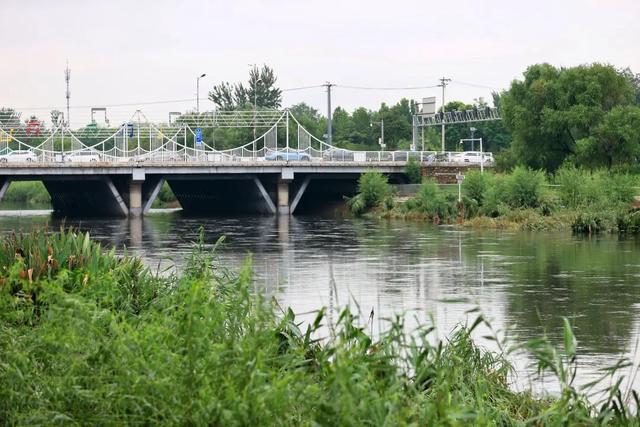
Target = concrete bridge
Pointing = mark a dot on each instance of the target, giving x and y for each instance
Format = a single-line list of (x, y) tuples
[(113, 190)]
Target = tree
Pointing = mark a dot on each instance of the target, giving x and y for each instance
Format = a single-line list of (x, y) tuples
[(9, 118), (615, 141), (553, 108), (260, 89), (634, 79), (309, 118)]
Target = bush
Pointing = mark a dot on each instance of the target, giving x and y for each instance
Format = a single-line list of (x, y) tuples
[(476, 184), (432, 202), (413, 170), (373, 191), (594, 221), (165, 197), (523, 188), (582, 188)]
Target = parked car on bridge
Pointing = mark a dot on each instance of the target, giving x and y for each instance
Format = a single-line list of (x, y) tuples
[(287, 155), (337, 154), (19, 156), (157, 156), (81, 157), (472, 157)]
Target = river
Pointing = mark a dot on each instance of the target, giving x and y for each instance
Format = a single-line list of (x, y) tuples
[(523, 282)]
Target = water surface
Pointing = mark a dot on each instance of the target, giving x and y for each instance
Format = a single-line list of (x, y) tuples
[(524, 281)]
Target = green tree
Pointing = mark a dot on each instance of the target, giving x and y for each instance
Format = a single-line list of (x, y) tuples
[(616, 140), (309, 119), (261, 89), (9, 118), (553, 108)]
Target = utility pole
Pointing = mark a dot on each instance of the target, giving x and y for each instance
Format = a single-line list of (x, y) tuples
[(329, 124), (67, 78), (443, 83)]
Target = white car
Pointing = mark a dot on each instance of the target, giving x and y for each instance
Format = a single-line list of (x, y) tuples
[(472, 157), (82, 157), (19, 156)]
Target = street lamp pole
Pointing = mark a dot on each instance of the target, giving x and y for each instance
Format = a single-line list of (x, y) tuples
[(381, 123), (255, 109), (198, 93), (473, 132)]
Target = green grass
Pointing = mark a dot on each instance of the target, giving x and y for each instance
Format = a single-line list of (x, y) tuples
[(26, 194), (90, 338)]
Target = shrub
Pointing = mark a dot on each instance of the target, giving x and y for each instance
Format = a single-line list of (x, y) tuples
[(493, 203), (629, 222), (373, 190), (523, 188), (476, 184), (431, 201), (413, 170), (592, 221), (583, 188)]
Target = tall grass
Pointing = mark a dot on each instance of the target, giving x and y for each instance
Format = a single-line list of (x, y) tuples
[(201, 348)]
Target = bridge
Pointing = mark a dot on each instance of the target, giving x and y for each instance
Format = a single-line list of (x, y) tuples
[(102, 171)]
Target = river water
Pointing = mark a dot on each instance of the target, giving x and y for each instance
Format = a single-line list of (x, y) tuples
[(523, 282)]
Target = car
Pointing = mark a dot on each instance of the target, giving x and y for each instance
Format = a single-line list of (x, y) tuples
[(287, 155), (337, 154), (472, 157), (82, 157), (157, 156), (19, 156), (439, 158)]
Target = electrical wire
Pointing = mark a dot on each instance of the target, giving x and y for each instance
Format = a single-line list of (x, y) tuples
[(385, 88), (175, 101), (473, 85), (301, 88)]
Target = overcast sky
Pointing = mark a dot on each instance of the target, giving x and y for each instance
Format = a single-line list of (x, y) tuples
[(143, 51)]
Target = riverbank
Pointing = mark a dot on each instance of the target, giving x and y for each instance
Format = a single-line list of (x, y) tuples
[(102, 338), (573, 199)]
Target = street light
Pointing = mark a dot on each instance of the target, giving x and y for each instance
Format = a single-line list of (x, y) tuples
[(381, 123), (198, 93), (255, 108), (473, 131)]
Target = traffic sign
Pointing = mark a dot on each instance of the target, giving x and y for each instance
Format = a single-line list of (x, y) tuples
[(198, 137)]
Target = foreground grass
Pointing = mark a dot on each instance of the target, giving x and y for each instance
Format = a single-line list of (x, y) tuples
[(90, 338)]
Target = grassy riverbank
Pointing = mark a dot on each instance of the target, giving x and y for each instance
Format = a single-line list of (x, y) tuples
[(572, 199), (26, 195), (87, 337)]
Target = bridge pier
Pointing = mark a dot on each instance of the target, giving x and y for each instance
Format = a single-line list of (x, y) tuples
[(135, 198), (283, 197), (4, 184)]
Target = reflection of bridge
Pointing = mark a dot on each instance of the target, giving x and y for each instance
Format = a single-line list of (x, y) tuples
[(119, 171)]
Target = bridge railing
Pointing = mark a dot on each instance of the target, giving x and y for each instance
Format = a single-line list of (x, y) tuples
[(188, 155)]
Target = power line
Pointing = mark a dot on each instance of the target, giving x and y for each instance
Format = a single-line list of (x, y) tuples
[(301, 88), (386, 88), (473, 85)]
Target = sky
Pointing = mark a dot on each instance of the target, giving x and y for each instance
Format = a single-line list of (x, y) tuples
[(137, 52)]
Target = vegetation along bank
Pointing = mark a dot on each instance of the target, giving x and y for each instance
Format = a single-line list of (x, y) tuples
[(91, 338), (576, 199)]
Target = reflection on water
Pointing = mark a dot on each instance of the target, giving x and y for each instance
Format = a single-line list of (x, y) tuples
[(526, 281)]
